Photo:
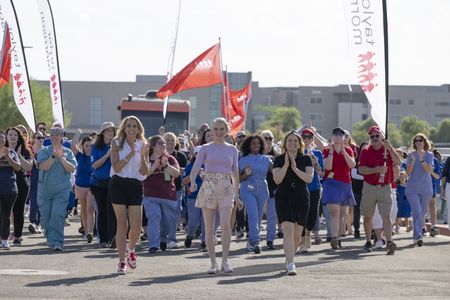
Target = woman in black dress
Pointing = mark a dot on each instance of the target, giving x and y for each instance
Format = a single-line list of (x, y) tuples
[(292, 171)]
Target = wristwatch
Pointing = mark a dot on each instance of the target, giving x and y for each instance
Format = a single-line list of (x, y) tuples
[(53, 156)]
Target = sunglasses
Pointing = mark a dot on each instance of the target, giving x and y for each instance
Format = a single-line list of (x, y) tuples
[(374, 136), (241, 137), (418, 141), (268, 138), (39, 138), (131, 126), (307, 136), (42, 129)]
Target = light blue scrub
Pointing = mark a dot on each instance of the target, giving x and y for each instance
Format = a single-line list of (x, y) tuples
[(53, 195), (254, 191)]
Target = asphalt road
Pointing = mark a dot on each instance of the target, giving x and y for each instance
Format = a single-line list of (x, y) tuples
[(84, 272)]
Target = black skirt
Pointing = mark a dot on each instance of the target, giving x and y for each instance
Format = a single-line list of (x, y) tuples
[(125, 191), (292, 204)]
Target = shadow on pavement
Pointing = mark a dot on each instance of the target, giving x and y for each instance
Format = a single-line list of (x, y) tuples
[(71, 281)]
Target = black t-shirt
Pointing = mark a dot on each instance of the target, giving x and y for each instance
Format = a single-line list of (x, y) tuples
[(8, 184), (182, 162), (22, 174), (291, 180), (270, 182)]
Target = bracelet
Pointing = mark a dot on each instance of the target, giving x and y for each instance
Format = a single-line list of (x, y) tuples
[(126, 160)]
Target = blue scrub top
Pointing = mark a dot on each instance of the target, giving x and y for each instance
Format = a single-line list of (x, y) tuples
[(315, 184), (103, 172)]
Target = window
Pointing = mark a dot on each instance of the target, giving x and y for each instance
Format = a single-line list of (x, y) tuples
[(395, 101), (215, 103), (95, 111), (395, 118), (315, 117), (316, 100), (193, 117), (316, 92), (411, 101), (364, 116), (442, 115), (442, 103)]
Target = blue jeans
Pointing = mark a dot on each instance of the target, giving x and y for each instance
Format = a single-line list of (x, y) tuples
[(326, 214), (162, 217), (53, 208), (271, 220), (419, 205), (254, 194), (195, 219)]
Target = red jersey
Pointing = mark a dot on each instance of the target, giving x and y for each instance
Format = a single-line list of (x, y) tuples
[(339, 169), (372, 158)]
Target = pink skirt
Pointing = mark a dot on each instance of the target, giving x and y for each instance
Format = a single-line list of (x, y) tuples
[(216, 191)]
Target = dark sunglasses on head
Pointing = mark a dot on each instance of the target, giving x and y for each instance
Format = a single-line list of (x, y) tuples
[(374, 136), (418, 141)]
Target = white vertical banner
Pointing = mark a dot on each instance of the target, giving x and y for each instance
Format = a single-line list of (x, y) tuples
[(19, 72), (365, 29), (51, 53)]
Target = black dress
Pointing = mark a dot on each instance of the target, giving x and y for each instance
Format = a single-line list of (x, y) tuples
[(292, 196)]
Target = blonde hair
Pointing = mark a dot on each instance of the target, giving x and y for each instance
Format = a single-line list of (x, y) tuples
[(121, 133), (223, 121), (173, 136)]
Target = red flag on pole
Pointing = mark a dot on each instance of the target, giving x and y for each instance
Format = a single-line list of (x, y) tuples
[(201, 72), (5, 56), (235, 109)]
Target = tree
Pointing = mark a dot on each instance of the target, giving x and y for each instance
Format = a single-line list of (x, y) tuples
[(410, 126), (361, 128), (10, 115), (287, 117), (442, 131)]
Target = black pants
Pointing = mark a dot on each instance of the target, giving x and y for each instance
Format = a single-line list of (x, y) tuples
[(357, 212), (6, 204), (19, 206), (314, 200), (106, 218)]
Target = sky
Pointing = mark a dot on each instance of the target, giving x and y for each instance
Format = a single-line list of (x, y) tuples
[(283, 42)]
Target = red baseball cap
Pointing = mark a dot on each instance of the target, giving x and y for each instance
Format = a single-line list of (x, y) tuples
[(374, 129), (307, 131)]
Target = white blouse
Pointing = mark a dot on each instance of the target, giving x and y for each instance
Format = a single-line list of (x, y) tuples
[(131, 169)]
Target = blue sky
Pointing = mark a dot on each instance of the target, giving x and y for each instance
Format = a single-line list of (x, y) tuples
[(284, 43)]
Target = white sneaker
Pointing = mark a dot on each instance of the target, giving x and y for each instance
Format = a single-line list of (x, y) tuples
[(303, 249), (5, 245), (291, 269), (212, 269), (226, 267), (379, 245), (171, 245)]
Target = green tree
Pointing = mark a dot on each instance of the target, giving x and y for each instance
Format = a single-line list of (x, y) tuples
[(361, 128), (443, 131), (10, 115), (410, 126), (289, 117)]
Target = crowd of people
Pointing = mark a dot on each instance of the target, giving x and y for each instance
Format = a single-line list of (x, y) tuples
[(131, 189)]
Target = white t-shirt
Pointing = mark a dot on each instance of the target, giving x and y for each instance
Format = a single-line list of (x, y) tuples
[(131, 169)]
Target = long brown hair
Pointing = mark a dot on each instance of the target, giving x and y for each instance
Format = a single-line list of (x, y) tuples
[(152, 143), (20, 142), (300, 141), (426, 142)]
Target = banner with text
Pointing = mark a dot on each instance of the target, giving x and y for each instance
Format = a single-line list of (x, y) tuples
[(21, 84), (51, 53), (367, 53)]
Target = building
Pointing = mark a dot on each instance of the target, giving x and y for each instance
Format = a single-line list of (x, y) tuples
[(91, 103)]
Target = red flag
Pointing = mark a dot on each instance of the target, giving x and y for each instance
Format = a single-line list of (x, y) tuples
[(5, 56), (201, 72), (235, 109)]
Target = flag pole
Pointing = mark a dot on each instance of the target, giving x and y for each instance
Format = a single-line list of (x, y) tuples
[(386, 62), (173, 46), (246, 101), (57, 61), (222, 75)]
